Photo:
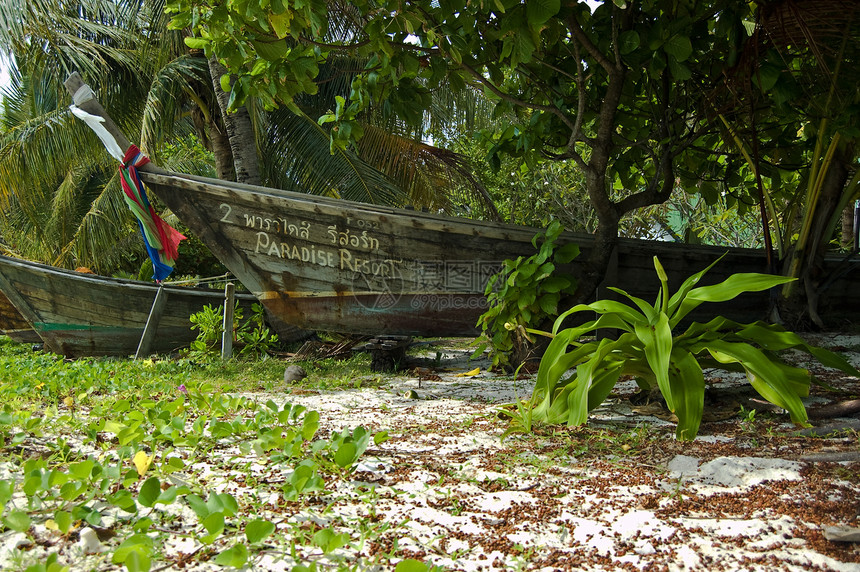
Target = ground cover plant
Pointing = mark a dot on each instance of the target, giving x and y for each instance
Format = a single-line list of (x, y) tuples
[(252, 335), (110, 449)]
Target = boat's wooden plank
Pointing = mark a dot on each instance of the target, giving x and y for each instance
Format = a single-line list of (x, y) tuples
[(74, 306), (10, 318)]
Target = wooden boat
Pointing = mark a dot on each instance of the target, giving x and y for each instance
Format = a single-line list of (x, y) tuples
[(78, 314), (328, 264), (336, 265)]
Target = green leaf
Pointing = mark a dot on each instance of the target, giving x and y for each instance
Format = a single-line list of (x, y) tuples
[(566, 253), (139, 544), (657, 342), (555, 363), (685, 288), (142, 525), (679, 47), (345, 455), (774, 338), (766, 76), (329, 540), (64, 521), (728, 289), (71, 491), (6, 490), (310, 425), (281, 23), (764, 375), (271, 51), (83, 469), (198, 505), (623, 311), (628, 42), (235, 556), (17, 520), (149, 492), (85, 513), (214, 525), (137, 561), (555, 284), (258, 529), (124, 500), (604, 381), (196, 43), (412, 565), (577, 399), (648, 310), (548, 303), (688, 391), (678, 70), (223, 502)]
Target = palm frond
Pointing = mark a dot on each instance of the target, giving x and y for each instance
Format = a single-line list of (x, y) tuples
[(425, 170), (165, 96), (300, 158)]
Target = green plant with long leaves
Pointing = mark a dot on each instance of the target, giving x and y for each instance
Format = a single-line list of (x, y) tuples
[(648, 350)]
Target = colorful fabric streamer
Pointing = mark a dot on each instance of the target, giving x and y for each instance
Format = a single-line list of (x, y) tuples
[(161, 239)]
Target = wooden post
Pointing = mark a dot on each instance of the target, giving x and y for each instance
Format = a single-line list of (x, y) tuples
[(227, 336), (143, 348)]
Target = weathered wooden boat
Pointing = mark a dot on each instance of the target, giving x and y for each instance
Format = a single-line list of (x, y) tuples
[(335, 265), (78, 314), (329, 264)]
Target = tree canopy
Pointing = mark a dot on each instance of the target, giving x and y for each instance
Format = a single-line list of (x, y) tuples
[(623, 91)]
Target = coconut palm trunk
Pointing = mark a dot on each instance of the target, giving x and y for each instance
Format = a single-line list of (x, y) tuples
[(240, 131)]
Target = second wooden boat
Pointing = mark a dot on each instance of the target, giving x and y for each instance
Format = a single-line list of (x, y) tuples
[(78, 314)]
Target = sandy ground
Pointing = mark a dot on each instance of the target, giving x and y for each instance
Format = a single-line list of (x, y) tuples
[(620, 493)]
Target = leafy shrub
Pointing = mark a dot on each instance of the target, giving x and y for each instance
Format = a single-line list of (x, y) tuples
[(647, 350), (252, 336), (525, 293)]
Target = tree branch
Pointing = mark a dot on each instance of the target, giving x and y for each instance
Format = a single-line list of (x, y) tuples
[(589, 46)]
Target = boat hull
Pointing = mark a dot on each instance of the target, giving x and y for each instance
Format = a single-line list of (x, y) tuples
[(77, 314), (334, 265), (13, 324)]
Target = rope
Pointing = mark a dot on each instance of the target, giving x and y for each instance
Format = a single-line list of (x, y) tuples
[(207, 280)]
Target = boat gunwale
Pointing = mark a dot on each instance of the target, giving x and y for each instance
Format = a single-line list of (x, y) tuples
[(137, 285), (164, 178)]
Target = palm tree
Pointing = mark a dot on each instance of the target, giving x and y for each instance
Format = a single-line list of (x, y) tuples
[(391, 163), (60, 197), (70, 211)]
